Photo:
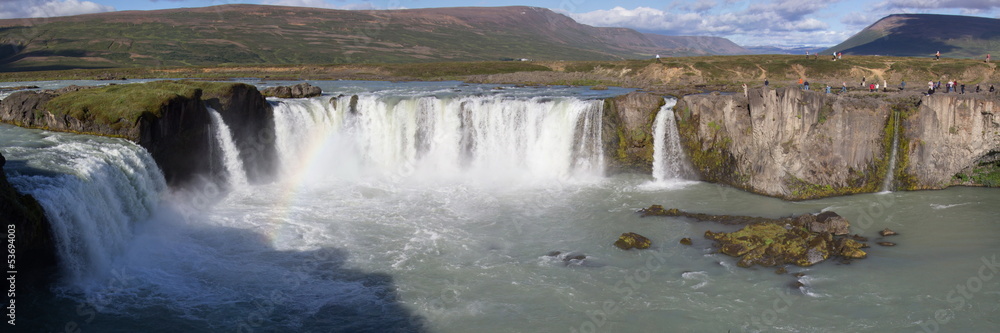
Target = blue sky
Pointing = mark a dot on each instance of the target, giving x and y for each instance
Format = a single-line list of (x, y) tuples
[(748, 23)]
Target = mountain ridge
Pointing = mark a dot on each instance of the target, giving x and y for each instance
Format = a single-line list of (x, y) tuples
[(923, 35)]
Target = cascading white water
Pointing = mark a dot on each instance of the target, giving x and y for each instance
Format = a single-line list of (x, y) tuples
[(890, 173), (235, 174), (668, 156), (493, 138), (102, 189)]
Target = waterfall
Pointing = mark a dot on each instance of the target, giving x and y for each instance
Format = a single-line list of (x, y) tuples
[(890, 174), (668, 156), (479, 137), (93, 192), (236, 175)]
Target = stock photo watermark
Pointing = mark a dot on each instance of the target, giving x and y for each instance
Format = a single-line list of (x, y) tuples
[(961, 294), (625, 289)]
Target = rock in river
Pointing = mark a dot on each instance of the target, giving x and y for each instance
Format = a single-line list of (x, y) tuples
[(630, 240)]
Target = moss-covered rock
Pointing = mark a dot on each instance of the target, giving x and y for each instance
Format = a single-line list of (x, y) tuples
[(631, 240), (804, 240)]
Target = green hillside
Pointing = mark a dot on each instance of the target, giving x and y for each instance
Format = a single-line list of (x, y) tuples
[(922, 35), (252, 34)]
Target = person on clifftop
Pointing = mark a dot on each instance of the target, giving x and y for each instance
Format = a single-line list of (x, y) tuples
[(937, 56)]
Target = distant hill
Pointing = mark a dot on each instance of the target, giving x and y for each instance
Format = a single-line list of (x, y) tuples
[(924, 34), (256, 34), (785, 50), (697, 45)]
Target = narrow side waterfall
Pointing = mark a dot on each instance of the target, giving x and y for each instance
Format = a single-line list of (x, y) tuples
[(97, 190), (890, 174), (489, 137), (668, 156), (235, 174)]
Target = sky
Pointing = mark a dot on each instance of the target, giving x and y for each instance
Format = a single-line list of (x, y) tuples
[(748, 23)]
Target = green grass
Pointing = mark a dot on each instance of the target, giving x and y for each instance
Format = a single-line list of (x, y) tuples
[(123, 105)]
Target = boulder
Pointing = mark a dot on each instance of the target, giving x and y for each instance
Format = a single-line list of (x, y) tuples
[(630, 240), (301, 90), (827, 222), (685, 241), (887, 232)]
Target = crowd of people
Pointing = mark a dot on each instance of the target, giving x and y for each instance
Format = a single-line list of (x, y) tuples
[(952, 86)]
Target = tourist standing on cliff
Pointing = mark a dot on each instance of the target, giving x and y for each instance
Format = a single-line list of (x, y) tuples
[(885, 85), (977, 88), (902, 85), (987, 58), (806, 85), (991, 88), (937, 56), (844, 88), (746, 91), (828, 89), (930, 85), (765, 82), (862, 81), (963, 89)]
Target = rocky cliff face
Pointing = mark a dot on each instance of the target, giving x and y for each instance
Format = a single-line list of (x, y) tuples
[(628, 131), (36, 257), (251, 119), (954, 135), (787, 143), (796, 144)]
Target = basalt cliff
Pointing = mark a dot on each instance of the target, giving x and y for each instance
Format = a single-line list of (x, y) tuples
[(797, 144)]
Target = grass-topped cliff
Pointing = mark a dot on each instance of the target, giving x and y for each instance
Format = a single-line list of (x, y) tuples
[(168, 118), (123, 105)]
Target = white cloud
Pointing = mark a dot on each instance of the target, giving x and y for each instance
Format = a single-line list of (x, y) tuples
[(49, 8), (778, 21), (969, 5), (697, 6)]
